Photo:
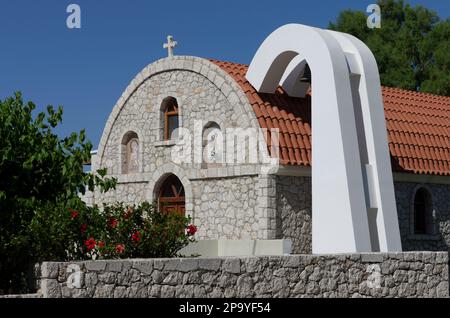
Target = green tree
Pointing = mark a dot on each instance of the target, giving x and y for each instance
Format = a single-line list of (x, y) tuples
[(412, 47), (40, 175)]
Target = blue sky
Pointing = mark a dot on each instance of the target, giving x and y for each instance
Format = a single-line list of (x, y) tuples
[(86, 70)]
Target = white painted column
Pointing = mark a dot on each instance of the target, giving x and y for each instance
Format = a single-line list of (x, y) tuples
[(339, 175)]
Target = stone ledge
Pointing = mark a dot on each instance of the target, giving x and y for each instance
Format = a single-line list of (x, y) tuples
[(165, 143), (372, 257), (224, 248)]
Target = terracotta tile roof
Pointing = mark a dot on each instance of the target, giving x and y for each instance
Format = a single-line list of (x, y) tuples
[(418, 125)]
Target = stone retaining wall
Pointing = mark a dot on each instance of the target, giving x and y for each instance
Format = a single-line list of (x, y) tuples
[(412, 274)]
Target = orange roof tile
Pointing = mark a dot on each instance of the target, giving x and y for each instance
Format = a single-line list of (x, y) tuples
[(418, 125)]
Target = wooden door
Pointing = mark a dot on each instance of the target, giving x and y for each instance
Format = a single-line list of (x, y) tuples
[(171, 196)]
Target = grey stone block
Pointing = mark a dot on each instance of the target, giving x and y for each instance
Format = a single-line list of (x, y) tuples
[(194, 278), (170, 264), (227, 280), (232, 265), (126, 278), (372, 257), (210, 264), (115, 266), (91, 279), (104, 291), (157, 276), (49, 270), (50, 288), (121, 292), (442, 290), (173, 279), (292, 261), (187, 265), (168, 291), (145, 267), (154, 291), (442, 258), (96, 266), (199, 291), (107, 278), (138, 290)]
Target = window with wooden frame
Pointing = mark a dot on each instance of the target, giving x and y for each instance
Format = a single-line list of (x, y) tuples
[(171, 118)]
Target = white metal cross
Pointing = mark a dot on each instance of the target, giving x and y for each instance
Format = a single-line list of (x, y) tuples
[(170, 45)]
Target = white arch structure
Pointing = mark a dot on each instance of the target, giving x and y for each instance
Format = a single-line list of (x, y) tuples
[(353, 199)]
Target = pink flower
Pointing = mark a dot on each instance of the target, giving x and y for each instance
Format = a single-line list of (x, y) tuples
[(120, 248), (90, 243), (192, 229), (136, 236), (83, 227), (101, 244), (113, 222), (73, 213)]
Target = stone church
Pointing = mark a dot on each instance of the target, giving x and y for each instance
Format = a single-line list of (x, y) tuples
[(236, 200)]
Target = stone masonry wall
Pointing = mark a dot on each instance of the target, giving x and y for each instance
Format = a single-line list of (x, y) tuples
[(204, 94), (221, 200), (294, 212), (438, 241), (294, 208), (225, 208), (414, 274), (132, 193), (198, 100)]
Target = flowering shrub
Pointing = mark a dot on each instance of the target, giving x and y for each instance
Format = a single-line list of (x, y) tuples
[(120, 231), (41, 174)]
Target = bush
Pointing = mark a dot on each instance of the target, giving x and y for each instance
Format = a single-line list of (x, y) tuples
[(39, 174), (42, 217), (115, 231)]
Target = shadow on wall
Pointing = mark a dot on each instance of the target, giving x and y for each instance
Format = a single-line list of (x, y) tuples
[(294, 212), (424, 216)]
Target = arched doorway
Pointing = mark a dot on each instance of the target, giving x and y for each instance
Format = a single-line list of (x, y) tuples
[(171, 197)]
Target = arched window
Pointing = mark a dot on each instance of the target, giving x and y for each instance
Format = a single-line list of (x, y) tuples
[(170, 120), (171, 196), (423, 212), (212, 143), (130, 153)]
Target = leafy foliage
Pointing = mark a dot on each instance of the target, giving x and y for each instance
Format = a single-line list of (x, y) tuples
[(39, 174), (41, 214), (120, 231), (412, 47)]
